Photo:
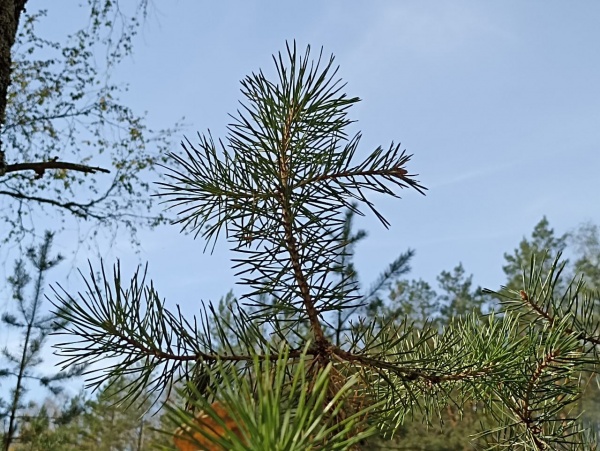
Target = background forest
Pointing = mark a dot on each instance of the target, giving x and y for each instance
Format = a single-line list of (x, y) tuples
[(93, 421), (67, 118)]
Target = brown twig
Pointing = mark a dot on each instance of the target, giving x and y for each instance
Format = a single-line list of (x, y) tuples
[(547, 316), (287, 220), (410, 374)]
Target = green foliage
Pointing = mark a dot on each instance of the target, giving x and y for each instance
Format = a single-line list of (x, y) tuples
[(19, 364), (542, 242), (62, 104), (108, 424), (370, 298), (586, 241), (97, 423), (279, 189), (271, 406), (38, 435), (418, 302), (459, 298)]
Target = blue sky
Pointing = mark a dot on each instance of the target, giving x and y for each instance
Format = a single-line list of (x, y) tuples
[(498, 101)]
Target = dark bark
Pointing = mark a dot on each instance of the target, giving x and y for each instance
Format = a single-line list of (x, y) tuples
[(10, 13), (40, 167)]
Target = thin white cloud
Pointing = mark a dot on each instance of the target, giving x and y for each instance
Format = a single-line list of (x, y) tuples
[(469, 175), (427, 29)]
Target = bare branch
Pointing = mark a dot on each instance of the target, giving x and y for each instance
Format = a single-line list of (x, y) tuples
[(80, 210), (40, 167)]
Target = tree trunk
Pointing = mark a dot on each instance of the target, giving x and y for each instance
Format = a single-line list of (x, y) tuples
[(12, 422), (10, 12)]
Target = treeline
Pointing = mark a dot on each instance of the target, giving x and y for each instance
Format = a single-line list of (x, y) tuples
[(102, 420)]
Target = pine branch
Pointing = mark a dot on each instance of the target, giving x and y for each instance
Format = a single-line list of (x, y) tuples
[(546, 315), (540, 297), (282, 187)]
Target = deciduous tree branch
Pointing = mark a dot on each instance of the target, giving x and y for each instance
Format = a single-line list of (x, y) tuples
[(40, 167), (79, 210)]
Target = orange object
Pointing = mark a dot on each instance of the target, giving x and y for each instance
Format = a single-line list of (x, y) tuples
[(187, 438)]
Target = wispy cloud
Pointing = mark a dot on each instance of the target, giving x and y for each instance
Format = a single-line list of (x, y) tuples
[(468, 175), (427, 29)]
